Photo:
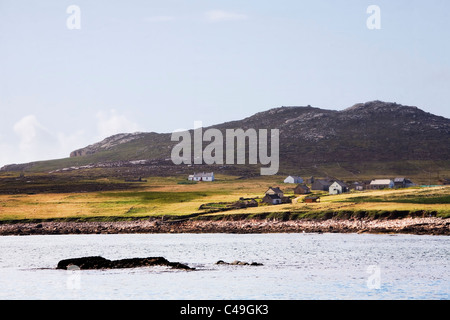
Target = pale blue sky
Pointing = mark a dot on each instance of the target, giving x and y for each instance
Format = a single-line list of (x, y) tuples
[(161, 65)]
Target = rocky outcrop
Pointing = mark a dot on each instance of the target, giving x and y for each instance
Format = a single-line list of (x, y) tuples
[(89, 263), (106, 144), (239, 263)]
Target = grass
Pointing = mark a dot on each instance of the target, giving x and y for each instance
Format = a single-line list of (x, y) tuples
[(165, 196)]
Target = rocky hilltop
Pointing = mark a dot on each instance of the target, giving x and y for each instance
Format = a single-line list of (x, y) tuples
[(375, 131), (106, 144)]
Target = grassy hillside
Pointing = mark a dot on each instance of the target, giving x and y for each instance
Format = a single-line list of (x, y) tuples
[(364, 141)]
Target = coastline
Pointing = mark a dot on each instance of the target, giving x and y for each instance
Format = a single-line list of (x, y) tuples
[(417, 226)]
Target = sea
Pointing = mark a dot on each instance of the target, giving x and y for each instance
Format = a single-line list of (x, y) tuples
[(294, 267)]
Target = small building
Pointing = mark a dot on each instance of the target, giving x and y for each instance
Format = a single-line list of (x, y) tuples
[(273, 196), (275, 191), (360, 185), (378, 184), (321, 184), (338, 187), (208, 176), (403, 183), (272, 199), (311, 199), (293, 179), (302, 189)]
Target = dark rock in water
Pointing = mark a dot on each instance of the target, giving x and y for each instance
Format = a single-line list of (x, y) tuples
[(239, 263), (89, 263)]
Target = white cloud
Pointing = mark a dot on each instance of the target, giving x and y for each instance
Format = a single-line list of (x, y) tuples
[(31, 133), (112, 123), (35, 142), (31, 141), (220, 15)]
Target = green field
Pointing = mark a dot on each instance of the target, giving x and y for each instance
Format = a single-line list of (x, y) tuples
[(96, 197)]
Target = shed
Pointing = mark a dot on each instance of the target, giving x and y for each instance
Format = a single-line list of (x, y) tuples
[(311, 199)]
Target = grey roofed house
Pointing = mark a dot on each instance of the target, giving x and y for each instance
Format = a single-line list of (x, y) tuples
[(381, 184), (338, 187), (293, 179), (277, 191), (301, 189), (403, 183), (359, 186), (272, 199), (321, 184)]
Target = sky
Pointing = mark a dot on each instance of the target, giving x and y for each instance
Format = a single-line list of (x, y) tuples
[(68, 80)]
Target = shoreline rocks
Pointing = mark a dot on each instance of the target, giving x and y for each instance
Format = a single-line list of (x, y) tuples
[(418, 226)]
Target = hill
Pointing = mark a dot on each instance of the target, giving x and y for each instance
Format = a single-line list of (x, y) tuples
[(374, 137)]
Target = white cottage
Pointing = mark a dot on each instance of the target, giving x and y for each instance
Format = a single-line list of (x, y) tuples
[(338, 187), (204, 176), (293, 179)]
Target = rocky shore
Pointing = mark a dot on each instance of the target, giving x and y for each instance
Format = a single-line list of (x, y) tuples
[(420, 226)]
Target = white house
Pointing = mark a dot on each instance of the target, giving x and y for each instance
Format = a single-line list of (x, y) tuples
[(204, 176), (338, 187), (293, 179), (382, 184)]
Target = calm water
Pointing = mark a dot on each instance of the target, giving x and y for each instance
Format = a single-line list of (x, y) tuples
[(296, 266)]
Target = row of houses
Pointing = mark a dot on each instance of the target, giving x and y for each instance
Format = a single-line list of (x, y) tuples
[(388, 184), (335, 186)]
